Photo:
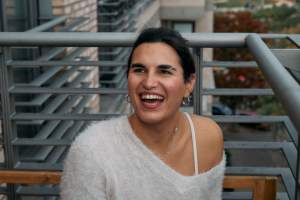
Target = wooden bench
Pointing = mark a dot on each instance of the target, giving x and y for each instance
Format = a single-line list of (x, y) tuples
[(263, 187)]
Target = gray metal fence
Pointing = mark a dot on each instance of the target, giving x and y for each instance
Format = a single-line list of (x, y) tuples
[(59, 103)]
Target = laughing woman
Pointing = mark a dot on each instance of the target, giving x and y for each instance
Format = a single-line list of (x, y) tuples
[(158, 152)]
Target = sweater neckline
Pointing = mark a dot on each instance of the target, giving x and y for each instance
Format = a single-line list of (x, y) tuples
[(180, 181)]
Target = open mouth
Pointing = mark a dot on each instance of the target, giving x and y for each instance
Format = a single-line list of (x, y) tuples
[(151, 100)]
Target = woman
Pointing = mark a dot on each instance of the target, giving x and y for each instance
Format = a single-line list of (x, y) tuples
[(157, 152)]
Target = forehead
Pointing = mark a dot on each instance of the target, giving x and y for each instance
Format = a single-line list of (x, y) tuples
[(155, 53)]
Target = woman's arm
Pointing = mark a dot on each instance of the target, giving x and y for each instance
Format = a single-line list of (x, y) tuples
[(210, 143), (82, 177)]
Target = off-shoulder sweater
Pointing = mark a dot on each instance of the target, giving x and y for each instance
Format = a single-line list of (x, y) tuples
[(109, 162)]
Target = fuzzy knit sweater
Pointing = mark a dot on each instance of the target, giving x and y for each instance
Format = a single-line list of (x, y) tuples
[(109, 162)]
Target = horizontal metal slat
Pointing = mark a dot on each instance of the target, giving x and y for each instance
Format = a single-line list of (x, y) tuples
[(231, 64), (32, 64), (111, 4), (40, 99), (38, 191), (38, 166), (237, 92), (59, 101), (259, 119), (41, 142), (42, 153), (254, 145), (248, 196), (221, 119), (65, 90), (288, 148), (89, 117), (39, 80), (248, 119), (108, 14)]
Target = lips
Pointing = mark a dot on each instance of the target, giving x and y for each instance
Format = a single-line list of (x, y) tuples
[(151, 100)]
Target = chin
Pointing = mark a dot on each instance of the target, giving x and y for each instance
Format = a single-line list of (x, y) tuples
[(149, 118), (154, 117)]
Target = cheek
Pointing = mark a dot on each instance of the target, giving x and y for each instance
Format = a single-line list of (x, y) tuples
[(132, 83), (176, 87), (130, 88)]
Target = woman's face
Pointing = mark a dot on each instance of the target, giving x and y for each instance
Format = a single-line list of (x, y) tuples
[(155, 82)]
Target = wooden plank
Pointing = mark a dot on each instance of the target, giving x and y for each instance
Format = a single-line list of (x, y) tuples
[(30, 177), (263, 187)]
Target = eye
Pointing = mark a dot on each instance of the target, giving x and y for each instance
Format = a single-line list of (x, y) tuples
[(166, 72), (137, 68)]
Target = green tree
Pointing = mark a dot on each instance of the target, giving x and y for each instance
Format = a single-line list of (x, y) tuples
[(237, 77)]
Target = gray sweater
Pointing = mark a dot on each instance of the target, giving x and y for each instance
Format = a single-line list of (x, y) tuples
[(108, 162)]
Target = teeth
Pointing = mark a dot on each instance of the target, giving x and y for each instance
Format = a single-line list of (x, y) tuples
[(151, 97)]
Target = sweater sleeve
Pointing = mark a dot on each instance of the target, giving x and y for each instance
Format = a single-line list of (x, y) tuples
[(82, 177)]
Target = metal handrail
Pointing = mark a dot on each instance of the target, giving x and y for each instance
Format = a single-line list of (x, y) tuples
[(284, 85), (89, 39)]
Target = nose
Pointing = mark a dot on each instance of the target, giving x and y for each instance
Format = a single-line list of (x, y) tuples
[(150, 81)]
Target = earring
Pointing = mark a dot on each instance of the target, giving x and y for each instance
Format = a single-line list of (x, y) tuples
[(186, 101), (127, 98)]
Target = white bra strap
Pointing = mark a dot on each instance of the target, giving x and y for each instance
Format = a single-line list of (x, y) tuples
[(194, 143)]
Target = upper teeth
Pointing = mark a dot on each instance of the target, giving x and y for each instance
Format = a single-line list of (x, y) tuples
[(151, 96)]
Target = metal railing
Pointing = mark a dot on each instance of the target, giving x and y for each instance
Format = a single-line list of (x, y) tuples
[(284, 86)]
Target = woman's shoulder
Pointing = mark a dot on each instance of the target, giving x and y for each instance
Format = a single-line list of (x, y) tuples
[(209, 127), (98, 131), (210, 139)]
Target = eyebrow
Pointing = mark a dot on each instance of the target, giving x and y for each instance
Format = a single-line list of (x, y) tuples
[(169, 67), (163, 66), (136, 65)]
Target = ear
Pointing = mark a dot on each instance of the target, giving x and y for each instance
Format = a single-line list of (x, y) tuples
[(189, 85)]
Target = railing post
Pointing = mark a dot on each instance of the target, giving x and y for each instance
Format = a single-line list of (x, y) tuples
[(197, 94), (284, 85), (9, 129), (2, 16)]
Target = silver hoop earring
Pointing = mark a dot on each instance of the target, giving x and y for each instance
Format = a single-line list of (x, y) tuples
[(186, 100), (127, 97)]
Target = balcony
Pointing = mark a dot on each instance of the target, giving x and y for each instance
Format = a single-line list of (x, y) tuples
[(42, 114)]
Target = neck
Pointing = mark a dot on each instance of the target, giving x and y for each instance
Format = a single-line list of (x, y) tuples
[(156, 136)]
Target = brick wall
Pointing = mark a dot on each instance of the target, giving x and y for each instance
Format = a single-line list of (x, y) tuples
[(88, 9)]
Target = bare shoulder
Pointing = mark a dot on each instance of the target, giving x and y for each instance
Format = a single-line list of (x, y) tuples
[(210, 139)]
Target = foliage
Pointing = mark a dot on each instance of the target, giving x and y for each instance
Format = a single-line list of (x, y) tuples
[(274, 16), (239, 3), (267, 105), (238, 22), (237, 77)]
